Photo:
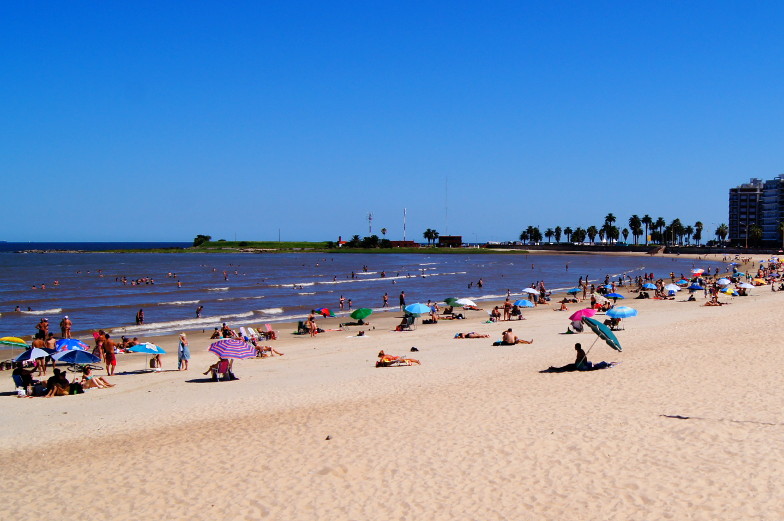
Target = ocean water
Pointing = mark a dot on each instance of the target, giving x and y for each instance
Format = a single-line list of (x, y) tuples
[(244, 289)]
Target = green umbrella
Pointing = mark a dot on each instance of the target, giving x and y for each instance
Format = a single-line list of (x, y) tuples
[(361, 313), (603, 332), (450, 301)]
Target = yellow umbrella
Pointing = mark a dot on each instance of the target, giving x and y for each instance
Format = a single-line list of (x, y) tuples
[(13, 341), (759, 281)]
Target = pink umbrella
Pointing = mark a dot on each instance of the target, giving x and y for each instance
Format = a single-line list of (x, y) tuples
[(578, 315)]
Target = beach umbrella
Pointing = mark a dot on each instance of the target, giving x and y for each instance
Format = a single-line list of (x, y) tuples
[(745, 285), (451, 301), (531, 291), (32, 354), (324, 312), (578, 315), (66, 344), (648, 285), (524, 303), (730, 291), (13, 341), (723, 281), (695, 287), (615, 295), (465, 302), (622, 312), (682, 282), (147, 347), (417, 308), (603, 332), (75, 356), (698, 271), (573, 291), (759, 281), (672, 287), (232, 348), (361, 313)]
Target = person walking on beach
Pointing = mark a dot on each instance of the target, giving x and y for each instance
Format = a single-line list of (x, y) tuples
[(198, 311), (140, 317), (109, 357), (183, 353), (402, 300), (342, 302), (65, 327), (386, 301)]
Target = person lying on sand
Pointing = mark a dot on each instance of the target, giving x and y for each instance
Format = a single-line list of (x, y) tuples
[(385, 360), (509, 339), (581, 363), (471, 335)]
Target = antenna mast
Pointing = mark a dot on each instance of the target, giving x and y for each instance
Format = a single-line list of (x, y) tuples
[(404, 224), (370, 223)]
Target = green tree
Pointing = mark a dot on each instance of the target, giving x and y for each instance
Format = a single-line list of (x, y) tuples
[(688, 232), (558, 232), (384, 232), (658, 226), (430, 235), (698, 226), (201, 239), (755, 235), (647, 221), (524, 236), (578, 235), (721, 232), (625, 234), (568, 232), (592, 232), (635, 224), (549, 234)]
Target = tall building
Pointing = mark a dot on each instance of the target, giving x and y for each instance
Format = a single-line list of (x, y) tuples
[(759, 203), (745, 209)]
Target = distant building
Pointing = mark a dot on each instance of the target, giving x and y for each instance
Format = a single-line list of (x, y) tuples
[(404, 244), (450, 241), (758, 203)]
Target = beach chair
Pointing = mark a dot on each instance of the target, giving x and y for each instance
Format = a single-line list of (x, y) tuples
[(302, 328), (271, 333), (409, 324), (222, 372)]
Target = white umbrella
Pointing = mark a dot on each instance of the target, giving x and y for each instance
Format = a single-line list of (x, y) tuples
[(466, 302), (745, 285), (672, 287), (532, 291), (723, 282), (599, 298)]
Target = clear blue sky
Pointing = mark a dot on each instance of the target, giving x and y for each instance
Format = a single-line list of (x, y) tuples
[(163, 120)]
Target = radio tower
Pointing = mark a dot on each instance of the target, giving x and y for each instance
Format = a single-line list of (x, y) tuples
[(370, 223)]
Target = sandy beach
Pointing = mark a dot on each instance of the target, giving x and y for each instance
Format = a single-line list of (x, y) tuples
[(687, 426)]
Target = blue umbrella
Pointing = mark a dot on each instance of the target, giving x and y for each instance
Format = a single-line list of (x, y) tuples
[(148, 348), (32, 354), (417, 308), (695, 287), (607, 286), (648, 285), (614, 295), (574, 291), (66, 344), (682, 281), (523, 303), (75, 357), (622, 312)]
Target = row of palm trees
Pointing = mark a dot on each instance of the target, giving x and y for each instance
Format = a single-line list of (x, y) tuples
[(660, 232)]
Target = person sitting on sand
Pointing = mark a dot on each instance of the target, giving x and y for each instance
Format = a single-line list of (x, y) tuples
[(495, 315), (93, 382), (266, 351), (509, 339), (58, 385), (471, 335), (215, 334), (563, 306), (581, 362)]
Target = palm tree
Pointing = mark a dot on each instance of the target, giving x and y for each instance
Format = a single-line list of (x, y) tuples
[(549, 234), (722, 231), (625, 234), (659, 225), (430, 235), (755, 234), (647, 221), (524, 236), (602, 231), (634, 224), (609, 219), (592, 231), (689, 231), (568, 232), (384, 232), (578, 235), (558, 231)]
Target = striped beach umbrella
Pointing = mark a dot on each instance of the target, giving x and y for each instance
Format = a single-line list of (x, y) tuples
[(233, 348)]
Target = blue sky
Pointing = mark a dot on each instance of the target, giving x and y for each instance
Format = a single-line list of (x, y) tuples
[(163, 120)]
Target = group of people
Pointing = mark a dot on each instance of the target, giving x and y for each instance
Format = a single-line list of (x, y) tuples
[(58, 384)]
